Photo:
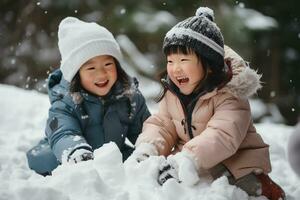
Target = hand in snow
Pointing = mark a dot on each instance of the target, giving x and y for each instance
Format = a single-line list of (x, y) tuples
[(166, 172), (182, 167), (80, 155), (144, 151)]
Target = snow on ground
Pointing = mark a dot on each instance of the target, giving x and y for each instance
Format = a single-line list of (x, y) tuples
[(22, 123)]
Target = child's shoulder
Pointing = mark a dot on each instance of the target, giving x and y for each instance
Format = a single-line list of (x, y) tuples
[(244, 84), (133, 91), (245, 81), (58, 88), (224, 95)]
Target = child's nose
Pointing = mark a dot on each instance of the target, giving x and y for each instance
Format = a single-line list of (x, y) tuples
[(177, 68), (101, 70)]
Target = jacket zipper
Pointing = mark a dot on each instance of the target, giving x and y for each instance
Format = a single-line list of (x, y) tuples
[(187, 122)]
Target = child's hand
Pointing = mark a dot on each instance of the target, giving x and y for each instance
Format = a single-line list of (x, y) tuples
[(180, 166), (80, 155), (167, 171), (144, 151)]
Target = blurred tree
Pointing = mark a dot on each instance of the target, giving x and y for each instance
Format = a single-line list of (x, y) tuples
[(277, 53)]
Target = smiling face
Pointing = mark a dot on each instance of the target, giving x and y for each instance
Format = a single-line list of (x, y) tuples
[(98, 75), (185, 71)]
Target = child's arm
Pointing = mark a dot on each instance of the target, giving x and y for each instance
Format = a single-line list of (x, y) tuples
[(159, 130), (64, 132), (224, 132), (140, 114)]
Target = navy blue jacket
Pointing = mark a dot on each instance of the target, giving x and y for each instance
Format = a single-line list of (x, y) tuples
[(83, 120)]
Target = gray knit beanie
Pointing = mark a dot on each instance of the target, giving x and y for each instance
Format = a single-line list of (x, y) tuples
[(199, 33), (79, 41)]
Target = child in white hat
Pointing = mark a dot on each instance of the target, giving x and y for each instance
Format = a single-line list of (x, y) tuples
[(93, 100)]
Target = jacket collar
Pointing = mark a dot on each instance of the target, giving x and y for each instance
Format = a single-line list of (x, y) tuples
[(168, 84)]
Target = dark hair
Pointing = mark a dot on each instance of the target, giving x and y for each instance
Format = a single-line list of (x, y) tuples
[(122, 76), (214, 74)]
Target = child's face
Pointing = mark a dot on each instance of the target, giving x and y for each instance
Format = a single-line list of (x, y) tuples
[(98, 75), (185, 70)]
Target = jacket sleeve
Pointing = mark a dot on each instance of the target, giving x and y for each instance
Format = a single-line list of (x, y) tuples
[(63, 131), (140, 113), (159, 130), (224, 132)]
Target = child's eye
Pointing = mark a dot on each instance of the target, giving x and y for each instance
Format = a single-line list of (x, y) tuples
[(184, 59), (90, 68), (108, 64), (169, 61)]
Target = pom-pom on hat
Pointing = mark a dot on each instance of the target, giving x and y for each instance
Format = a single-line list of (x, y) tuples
[(79, 41), (201, 34)]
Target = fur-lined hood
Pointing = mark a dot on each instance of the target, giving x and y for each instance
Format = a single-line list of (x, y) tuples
[(245, 81)]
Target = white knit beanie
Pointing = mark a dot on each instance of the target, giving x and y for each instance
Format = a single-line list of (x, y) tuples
[(79, 41)]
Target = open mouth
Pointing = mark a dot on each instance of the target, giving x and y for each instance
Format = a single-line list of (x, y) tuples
[(182, 80), (101, 83)]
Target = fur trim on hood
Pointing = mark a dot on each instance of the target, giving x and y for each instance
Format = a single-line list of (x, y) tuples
[(245, 81)]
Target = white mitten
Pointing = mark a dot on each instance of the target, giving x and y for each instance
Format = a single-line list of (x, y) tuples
[(80, 155), (186, 166), (144, 151), (166, 172)]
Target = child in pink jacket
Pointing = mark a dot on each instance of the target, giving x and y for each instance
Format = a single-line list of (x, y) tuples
[(204, 124)]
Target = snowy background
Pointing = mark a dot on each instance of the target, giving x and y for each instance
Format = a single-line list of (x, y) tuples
[(22, 124), (263, 33), (28, 45)]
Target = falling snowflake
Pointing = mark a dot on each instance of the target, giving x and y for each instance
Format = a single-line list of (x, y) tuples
[(122, 11), (272, 94), (241, 5)]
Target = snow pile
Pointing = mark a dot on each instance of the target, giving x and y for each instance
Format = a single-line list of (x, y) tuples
[(106, 177)]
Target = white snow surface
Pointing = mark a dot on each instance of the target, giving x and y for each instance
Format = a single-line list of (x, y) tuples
[(22, 124)]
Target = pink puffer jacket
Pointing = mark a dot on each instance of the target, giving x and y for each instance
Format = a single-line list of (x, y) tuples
[(222, 126)]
